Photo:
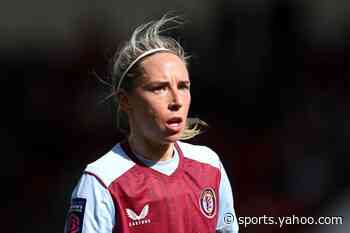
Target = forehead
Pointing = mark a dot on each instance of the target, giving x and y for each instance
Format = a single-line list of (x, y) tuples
[(164, 65)]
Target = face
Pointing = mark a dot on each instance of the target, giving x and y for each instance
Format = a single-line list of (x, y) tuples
[(158, 105)]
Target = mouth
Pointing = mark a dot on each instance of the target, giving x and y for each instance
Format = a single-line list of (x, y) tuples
[(174, 124)]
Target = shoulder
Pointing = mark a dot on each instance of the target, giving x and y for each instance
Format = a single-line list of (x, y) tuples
[(110, 166), (199, 153)]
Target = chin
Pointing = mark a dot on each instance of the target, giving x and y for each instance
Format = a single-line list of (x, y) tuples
[(172, 138)]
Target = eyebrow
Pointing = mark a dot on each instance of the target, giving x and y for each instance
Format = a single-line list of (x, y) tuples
[(165, 82)]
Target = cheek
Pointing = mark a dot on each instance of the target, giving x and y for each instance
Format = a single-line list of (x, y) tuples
[(157, 108), (187, 100), (151, 108)]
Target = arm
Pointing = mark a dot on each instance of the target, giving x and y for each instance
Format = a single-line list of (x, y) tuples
[(91, 209), (227, 220)]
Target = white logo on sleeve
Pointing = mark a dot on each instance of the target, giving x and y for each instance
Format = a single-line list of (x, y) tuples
[(138, 219)]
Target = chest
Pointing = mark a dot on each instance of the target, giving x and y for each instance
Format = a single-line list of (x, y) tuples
[(184, 202)]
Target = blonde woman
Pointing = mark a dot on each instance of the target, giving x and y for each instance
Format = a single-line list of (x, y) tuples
[(153, 181)]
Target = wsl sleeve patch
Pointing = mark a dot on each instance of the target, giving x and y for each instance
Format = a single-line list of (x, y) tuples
[(76, 216)]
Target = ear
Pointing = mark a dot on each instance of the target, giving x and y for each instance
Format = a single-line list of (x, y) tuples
[(123, 100)]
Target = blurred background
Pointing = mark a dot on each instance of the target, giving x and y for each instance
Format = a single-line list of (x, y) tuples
[(271, 77)]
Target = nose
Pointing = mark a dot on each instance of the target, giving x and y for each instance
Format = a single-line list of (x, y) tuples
[(175, 100)]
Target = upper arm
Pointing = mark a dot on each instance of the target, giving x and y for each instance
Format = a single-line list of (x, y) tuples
[(91, 209), (227, 220)]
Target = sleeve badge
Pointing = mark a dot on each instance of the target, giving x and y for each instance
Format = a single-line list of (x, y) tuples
[(75, 216)]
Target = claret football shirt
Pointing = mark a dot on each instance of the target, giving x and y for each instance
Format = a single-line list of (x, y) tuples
[(124, 193)]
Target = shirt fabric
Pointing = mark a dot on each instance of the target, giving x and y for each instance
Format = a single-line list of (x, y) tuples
[(122, 193)]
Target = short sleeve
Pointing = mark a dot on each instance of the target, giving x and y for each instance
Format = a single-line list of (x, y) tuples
[(227, 220), (91, 208)]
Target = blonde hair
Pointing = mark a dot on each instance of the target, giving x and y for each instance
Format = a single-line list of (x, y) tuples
[(147, 40)]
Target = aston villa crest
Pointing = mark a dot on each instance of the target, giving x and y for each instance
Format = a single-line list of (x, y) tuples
[(207, 202)]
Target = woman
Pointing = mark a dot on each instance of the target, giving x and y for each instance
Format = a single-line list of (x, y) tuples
[(152, 182)]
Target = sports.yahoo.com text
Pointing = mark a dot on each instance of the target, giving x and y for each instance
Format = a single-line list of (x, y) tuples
[(290, 220)]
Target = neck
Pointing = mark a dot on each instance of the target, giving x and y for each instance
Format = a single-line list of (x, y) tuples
[(151, 150)]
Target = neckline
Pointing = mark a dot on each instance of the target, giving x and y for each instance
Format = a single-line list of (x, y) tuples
[(151, 163), (127, 149)]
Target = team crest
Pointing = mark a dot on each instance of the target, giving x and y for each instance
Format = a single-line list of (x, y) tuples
[(207, 202), (76, 216), (138, 219)]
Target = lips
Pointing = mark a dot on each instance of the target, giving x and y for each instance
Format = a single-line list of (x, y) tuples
[(174, 124), (174, 120)]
